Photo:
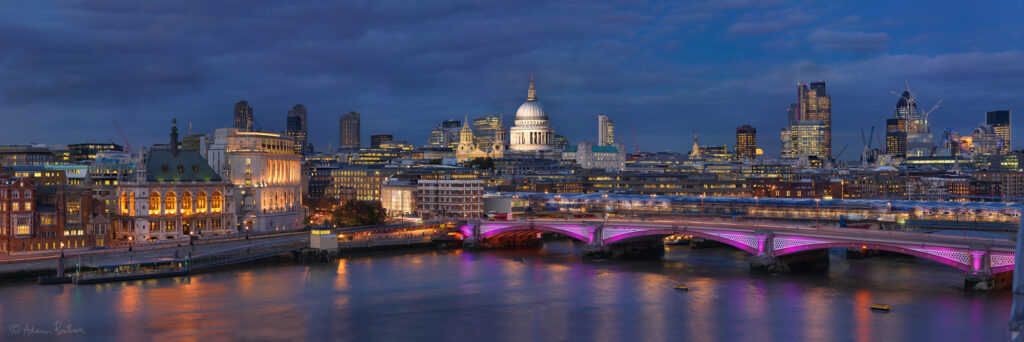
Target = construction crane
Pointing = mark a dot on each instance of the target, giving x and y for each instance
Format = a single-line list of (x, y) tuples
[(936, 106), (636, 145), (842, 150), (127, 146)]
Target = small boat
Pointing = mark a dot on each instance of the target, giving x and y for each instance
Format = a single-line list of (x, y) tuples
[(682, 288), (880, 307), (156, 268)]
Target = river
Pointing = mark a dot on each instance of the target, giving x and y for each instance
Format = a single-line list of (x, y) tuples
[(551, 295)]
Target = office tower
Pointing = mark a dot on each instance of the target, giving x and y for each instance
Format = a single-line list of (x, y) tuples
[(810, 123), (915, 125), (451, 130), (1000, 122), (896, 137), (436, 138), (746, 142), (484, 129), (985, 141), (243, 116), (559, 142), (377, 139), (349, 130), (296, 129), (605, 131), (786, 139)]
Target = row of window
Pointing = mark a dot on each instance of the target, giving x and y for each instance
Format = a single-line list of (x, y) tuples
[(16, 194), (16, 206)]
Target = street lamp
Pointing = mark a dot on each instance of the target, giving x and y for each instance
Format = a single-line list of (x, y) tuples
[(702, 206), (817, 213), (131, 252)]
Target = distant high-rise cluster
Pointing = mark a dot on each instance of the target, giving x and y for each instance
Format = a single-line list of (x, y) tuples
[(296, 129), (349, 130), (605, 131), (809, 133), (914, 125), (746, 142), (243, 116)]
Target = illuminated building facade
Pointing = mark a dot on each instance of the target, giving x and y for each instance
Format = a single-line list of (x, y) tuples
[(296, 129), (267, 176), (914, 124), (377, 139), (1000, 122), (398, 197), (605, 131), (175, 194), (532, 131), (485, 128), (88, 151), (349, 130), (357, 182), (467, 149), (243, 116), (896, 137), (591, 156), (449, 195), (746, 142)]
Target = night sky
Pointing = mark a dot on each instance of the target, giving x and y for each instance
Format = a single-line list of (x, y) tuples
[(69, 69)]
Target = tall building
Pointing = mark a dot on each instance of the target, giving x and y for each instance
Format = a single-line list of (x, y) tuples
[(810, 123), (918, 131), (349, 130), (88, 151), (985, 141), (297, 129), (377, 139), (484, 128), (1000, 122), (746, 142), (605, 131), (532, 131), (243, 116), (896, 137), (267, 174)]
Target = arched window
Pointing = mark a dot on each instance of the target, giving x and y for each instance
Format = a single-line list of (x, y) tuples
[(170, 203), (154, 203), (131, 206), (201, 202), (125, 205), (186, 203), (217, 202)]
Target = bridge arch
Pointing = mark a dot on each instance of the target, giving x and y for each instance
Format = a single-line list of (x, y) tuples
[(953, 260), (666, 232), (580, 233)]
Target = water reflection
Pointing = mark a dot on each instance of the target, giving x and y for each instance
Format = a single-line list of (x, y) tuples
[(553, 295)]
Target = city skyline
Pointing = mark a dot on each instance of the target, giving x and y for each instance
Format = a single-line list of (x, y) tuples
[(695, 55)]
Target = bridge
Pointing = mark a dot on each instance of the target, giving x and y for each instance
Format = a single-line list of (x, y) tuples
[(986, 263)]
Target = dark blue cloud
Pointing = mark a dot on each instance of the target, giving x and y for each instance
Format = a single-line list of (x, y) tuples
[(67, 70)]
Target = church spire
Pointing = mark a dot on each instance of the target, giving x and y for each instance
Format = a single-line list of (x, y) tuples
[(174, 137), (531, 95), (696, 146)]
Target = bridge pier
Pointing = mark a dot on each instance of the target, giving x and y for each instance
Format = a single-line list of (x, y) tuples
[(980, 277), (767, 262)]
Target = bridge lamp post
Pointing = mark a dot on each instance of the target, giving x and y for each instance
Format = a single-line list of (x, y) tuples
[(701, 205), (817, 213)]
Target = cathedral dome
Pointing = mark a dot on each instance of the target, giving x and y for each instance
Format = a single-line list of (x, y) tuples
[(531, 109)]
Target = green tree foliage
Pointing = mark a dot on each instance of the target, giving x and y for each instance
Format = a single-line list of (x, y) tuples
[(481, 163), (358, 213)]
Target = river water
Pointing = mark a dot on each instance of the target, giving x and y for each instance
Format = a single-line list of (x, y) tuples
[(551, 295)]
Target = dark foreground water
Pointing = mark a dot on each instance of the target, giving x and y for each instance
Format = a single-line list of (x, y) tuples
[(491, 296)]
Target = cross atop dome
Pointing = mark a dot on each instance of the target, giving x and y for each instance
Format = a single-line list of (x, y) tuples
[(531, 95)]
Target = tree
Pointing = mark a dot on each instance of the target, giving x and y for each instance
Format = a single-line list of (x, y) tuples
[(358, 213), (481, 163)]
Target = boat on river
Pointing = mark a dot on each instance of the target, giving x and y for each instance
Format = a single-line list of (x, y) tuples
[(133, 270)]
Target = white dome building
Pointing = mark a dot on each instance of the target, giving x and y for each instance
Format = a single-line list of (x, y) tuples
[(532, 131)]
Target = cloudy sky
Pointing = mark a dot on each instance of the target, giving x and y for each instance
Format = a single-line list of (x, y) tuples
[(69, 69)]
